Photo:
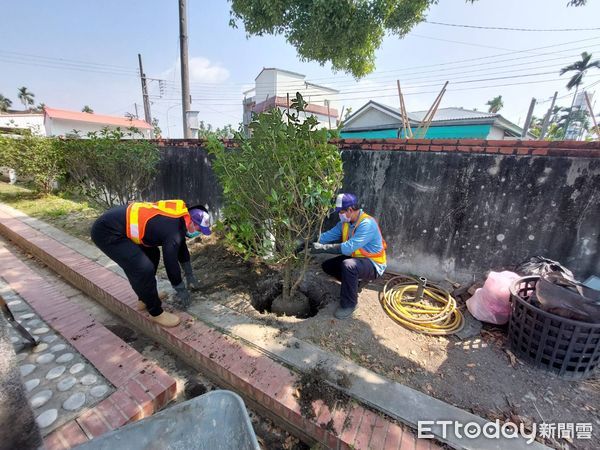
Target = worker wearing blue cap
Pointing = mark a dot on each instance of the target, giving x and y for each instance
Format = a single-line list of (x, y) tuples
[(358, 240), (131, 236)]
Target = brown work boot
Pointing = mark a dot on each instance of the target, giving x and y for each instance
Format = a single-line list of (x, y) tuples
[(166, 319), (141, 306)]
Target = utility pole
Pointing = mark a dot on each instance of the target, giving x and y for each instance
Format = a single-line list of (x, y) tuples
[(136, 111), (147, 115), (528, 119), (185, 78), (547, 118)]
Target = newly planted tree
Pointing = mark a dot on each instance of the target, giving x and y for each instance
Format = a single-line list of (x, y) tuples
[(278, 185)]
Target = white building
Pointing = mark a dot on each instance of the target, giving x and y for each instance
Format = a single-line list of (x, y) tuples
[(23, 120), (272, 87), (60, 122)]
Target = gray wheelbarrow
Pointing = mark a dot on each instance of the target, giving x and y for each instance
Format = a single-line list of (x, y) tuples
[(217, 420)]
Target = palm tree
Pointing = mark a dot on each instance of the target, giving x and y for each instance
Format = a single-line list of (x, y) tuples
[(580, 68), (25, 96), (87, 109), (495, 104), (5, 103), (40, 107)]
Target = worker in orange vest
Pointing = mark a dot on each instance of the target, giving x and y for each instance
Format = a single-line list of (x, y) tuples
[(131, 236), (358, 240)]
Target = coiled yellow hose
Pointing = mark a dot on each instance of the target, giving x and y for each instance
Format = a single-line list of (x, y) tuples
[(425, 316)]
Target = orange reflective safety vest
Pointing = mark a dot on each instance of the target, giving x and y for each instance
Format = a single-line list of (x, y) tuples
[(380, 256), (139, 213)]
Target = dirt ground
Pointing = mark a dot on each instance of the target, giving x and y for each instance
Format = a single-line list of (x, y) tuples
[(190, 382), (478, 374)]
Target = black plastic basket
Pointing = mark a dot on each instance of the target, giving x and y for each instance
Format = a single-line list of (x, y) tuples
[(566, 347)]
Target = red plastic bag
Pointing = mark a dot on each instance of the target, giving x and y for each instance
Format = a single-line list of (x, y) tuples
[(491, 303)]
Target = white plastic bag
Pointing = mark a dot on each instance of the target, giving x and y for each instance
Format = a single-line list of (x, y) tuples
[(491, 303)]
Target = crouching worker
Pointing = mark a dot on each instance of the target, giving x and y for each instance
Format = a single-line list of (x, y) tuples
[(131, 236), (358, 240)]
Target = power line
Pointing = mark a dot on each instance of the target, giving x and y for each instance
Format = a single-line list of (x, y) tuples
[(414, 86), (478, 27), (446, 74), (67, 60), (51, 65), (447, 63), (393, 95), (419, 75)]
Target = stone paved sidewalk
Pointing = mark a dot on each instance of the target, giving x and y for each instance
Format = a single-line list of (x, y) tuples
[(59, 381), (136, 387)]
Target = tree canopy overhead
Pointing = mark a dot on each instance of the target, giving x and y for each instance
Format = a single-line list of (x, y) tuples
[(345, 33)]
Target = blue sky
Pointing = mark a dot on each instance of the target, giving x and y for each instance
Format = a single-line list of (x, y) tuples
[(110, 34)]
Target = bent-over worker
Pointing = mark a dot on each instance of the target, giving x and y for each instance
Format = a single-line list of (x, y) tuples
[(358, 239), (131, 236)]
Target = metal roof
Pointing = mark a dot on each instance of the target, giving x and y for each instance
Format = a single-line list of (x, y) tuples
[(443, 116), (453, 113)]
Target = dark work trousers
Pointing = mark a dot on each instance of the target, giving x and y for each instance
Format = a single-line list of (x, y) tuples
[(349, 271), (139, 264)]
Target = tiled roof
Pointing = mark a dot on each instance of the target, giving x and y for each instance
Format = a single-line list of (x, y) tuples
[(283, 102), (96, 118)]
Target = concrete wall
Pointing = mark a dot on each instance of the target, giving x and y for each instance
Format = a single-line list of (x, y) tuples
[(62, 127), (453, 208), (289, 84), (265, 85), (33, 122), (185, 172)]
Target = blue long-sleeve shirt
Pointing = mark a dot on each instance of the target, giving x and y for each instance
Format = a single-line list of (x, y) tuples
[(366, 236)]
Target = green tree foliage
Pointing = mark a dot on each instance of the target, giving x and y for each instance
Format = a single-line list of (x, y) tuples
[(5, 103), (580, 68), (156, 130), (278, 185), (495, 104), (343, 32), (26, 97), (37, 159), (109, 169), (206, 131), (87, 109)]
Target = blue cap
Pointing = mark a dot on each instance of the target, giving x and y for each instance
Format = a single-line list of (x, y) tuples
[(344, 201), (202, 220)]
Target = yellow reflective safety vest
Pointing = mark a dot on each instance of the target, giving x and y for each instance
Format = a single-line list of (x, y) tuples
[(379, 257), (139, 213)]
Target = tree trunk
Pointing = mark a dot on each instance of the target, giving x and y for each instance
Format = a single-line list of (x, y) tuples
[(287, 280), (570, 113)]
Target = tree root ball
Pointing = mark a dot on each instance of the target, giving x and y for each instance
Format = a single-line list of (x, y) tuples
[(298, 306)]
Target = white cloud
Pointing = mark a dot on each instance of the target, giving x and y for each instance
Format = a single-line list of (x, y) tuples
[(201, 70)]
